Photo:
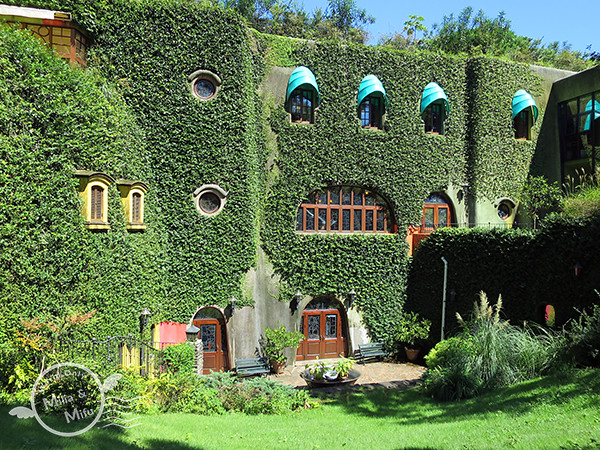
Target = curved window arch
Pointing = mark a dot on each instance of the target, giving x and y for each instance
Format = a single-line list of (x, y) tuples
[(434, 108), (372, 102), (344, 209), (302, 95), (524, 114), (436, 213)]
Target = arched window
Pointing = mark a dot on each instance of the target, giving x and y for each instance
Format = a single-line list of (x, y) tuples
[(371, 101), (93, 189), (524, 114), (133, 195), (302, 96), (436, 213), (343, 209), (434, 108)]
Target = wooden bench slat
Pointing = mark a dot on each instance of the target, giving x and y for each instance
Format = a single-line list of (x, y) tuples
[(371, 350)]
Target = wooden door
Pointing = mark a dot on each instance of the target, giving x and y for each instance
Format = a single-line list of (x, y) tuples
[(323, 336), (214, 342)]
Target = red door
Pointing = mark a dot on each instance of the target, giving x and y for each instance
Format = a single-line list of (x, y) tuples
[(323, 334), (214, 342)]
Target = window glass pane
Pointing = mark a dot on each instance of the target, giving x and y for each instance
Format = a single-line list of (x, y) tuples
[(442, 217), (428, 217), (307, 106), (208, 334), (314, 327), (322, 219), (346, 196), (322, 198), (380, 220), (346, 220), (365, 113), (358, 197), (335, 220), (330, 326), (369, 198), (369, 220), (296, 107), (299, 219), (358, 220), (334, 196), (310, 219), (209, 202)]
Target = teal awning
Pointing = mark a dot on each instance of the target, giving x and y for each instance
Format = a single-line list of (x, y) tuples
[(432, 93), (370, 85), (302, 76), (588, 107), (522, 100)]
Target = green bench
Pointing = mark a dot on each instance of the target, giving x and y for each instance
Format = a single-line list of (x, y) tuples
[(372, 350), (252, 366)]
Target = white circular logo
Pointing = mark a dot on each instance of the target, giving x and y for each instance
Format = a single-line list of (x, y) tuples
[(67, 399)]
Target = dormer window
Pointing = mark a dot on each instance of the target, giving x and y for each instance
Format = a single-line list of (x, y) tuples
[(371, 101), (132, 198), (524, 114), (302, 96), (434, 108), (93, 189)]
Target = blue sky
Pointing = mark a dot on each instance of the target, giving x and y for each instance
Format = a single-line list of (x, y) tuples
[(574, 21)]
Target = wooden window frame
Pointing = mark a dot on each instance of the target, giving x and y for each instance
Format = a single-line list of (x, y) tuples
[(378, 207)]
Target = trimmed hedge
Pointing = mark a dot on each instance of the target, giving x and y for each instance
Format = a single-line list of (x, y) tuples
[(530, 269)]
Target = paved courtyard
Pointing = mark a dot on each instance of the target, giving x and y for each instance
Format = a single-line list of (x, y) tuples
[(375, 374)]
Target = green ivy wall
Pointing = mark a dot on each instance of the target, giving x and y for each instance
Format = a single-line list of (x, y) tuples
[(139, 62)]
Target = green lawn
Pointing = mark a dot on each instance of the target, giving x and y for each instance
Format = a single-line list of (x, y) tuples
[(547, 413)]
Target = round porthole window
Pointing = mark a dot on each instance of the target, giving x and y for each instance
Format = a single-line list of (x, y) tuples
[(209, 199), (204, 89), (504, 211), (209, 202), (205, 84)]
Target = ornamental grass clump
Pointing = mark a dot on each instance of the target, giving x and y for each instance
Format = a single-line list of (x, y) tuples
[(489, 353)]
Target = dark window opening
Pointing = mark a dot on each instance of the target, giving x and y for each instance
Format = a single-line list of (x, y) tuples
[(301, 106), (371, 112), (522, 125), (433, 116)]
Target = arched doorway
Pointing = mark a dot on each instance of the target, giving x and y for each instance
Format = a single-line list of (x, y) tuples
[(213, 333), (324, 327)]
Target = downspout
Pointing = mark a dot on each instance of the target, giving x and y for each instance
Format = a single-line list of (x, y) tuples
[(444, 296)]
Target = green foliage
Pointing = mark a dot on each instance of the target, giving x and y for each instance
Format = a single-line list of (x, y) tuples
[(178, 358), (531, 269), (474, 34), (539, 196), (218, 393), (412, 329), (583, 337), (488, 354), (278, 339)]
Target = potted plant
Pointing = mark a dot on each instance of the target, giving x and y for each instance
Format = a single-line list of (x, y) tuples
[(276, 341), (343, 367), (412, 331)]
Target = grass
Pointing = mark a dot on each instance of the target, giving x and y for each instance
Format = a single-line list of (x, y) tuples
[(562, 411)]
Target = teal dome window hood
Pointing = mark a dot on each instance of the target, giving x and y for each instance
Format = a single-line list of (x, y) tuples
[(302, 77), (523, 100), (596, 114), (431, 94), (371, 86)]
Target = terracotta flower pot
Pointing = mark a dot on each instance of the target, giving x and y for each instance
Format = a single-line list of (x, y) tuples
[(412, 353), (278, 366)]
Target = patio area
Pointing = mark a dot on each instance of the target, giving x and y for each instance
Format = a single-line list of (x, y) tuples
[(373, 375)]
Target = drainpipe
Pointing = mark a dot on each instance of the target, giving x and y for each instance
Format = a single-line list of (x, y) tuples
[(444, 295)]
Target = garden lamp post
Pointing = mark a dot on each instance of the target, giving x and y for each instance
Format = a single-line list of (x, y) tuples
[(191, 334), (232, 302), (351, 297), (144, 319)]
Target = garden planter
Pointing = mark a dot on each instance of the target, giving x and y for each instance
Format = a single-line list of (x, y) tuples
[(278, 366), (412, 353), (350, 379)]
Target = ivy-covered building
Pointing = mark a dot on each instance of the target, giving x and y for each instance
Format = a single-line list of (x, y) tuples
[(246, 181)]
